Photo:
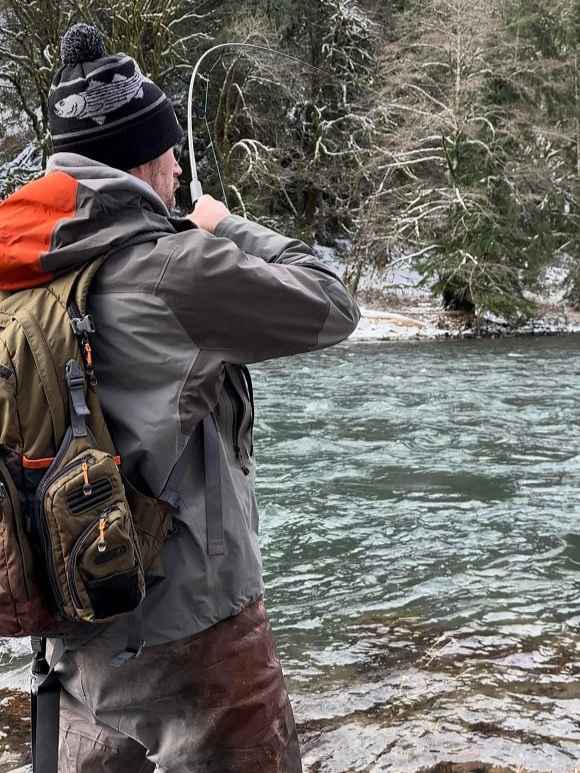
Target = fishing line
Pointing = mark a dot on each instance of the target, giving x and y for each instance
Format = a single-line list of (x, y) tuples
[(195, 185), (211, 142)]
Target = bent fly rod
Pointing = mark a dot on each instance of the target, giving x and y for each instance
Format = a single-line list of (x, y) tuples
[(195, 185)]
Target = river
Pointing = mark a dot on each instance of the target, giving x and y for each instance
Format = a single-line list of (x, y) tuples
[(419, 523), (420, 529)]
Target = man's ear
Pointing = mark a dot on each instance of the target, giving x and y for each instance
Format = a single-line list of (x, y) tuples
[(141, 171)]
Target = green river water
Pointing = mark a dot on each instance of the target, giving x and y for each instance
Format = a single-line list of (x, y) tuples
[(420, 527)]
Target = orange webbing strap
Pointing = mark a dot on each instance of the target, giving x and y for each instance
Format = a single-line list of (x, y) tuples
[(44, 464), (36, 464)]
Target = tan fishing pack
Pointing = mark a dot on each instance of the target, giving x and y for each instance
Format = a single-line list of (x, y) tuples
[(77, 541)]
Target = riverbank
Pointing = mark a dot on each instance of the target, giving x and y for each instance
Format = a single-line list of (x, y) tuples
[(425, 320), (397, 306), (15, 754)]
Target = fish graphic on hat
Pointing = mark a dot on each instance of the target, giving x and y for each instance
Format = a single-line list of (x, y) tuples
[(100, 99)]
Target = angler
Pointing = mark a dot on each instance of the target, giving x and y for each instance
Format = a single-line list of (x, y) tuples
[(127, 469)]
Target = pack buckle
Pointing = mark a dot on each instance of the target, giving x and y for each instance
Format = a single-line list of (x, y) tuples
[(76, 383), (83, 325)]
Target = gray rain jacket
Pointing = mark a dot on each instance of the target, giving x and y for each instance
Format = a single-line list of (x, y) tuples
[(178, 314)]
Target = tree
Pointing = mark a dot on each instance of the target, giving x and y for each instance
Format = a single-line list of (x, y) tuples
[(289, 138), (444, 132), (540, 83), (470, 190), (160, 34)]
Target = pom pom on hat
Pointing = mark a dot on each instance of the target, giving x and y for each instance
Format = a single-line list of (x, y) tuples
[(82, 43)]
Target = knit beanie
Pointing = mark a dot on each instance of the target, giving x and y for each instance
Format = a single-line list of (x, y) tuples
[(103, 107)]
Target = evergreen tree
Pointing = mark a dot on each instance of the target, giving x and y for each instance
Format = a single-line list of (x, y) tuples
[(441, 131)]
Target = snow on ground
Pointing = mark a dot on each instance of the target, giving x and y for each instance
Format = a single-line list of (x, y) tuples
[(398, 281), (424, 322), (397, 307), (555, 284), (380, 325), (330, 256), (16, 648), (18, 679)]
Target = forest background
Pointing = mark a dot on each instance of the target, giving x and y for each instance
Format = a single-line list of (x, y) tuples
[(441, 133)]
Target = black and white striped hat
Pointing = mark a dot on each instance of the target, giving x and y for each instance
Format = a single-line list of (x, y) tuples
[(103, 106)]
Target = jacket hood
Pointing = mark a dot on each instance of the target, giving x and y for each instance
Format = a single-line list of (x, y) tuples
[(80, 210)]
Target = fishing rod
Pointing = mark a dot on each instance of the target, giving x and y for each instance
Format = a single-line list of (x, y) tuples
[(195, 185)]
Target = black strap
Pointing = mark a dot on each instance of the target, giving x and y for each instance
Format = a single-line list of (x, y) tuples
[(81, 325), (213, 498), (83, 328), (135, 640), (45, 708), (79, 410)]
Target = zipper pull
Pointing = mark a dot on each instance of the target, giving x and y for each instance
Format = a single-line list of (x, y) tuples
[(102, 543), (89, 362), (88, 354), (87, 488)]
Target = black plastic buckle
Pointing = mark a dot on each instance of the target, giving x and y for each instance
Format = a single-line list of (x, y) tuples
[(75, 378), (83, 325), (40, 666)]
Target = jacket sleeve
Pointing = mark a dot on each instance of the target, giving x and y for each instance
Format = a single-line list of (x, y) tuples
[(249, 294)]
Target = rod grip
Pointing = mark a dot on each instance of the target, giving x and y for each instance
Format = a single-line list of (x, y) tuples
[(196, 190)]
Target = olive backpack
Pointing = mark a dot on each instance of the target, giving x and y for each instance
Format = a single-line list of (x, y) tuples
[(77, 541)]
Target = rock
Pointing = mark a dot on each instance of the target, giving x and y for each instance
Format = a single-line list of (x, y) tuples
[(464, 767), (15, 747)]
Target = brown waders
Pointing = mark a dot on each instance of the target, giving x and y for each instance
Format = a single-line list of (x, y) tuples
[(213, 703)]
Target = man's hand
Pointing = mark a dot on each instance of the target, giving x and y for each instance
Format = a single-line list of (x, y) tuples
[(208, 212)]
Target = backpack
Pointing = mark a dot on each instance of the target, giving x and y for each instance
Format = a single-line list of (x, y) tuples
[(77, 540)]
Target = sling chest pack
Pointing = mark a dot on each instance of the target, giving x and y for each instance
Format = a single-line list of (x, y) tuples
[(76, 539)]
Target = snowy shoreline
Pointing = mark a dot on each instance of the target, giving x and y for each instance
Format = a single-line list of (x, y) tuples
[(427, 323), (397, 306)]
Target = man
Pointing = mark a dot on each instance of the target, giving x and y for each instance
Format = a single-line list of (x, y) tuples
[(180, 306)]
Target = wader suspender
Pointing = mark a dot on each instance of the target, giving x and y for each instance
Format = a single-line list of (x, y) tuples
[(44, 704)]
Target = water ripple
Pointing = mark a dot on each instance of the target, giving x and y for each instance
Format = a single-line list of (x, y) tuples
[(422, 550)]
